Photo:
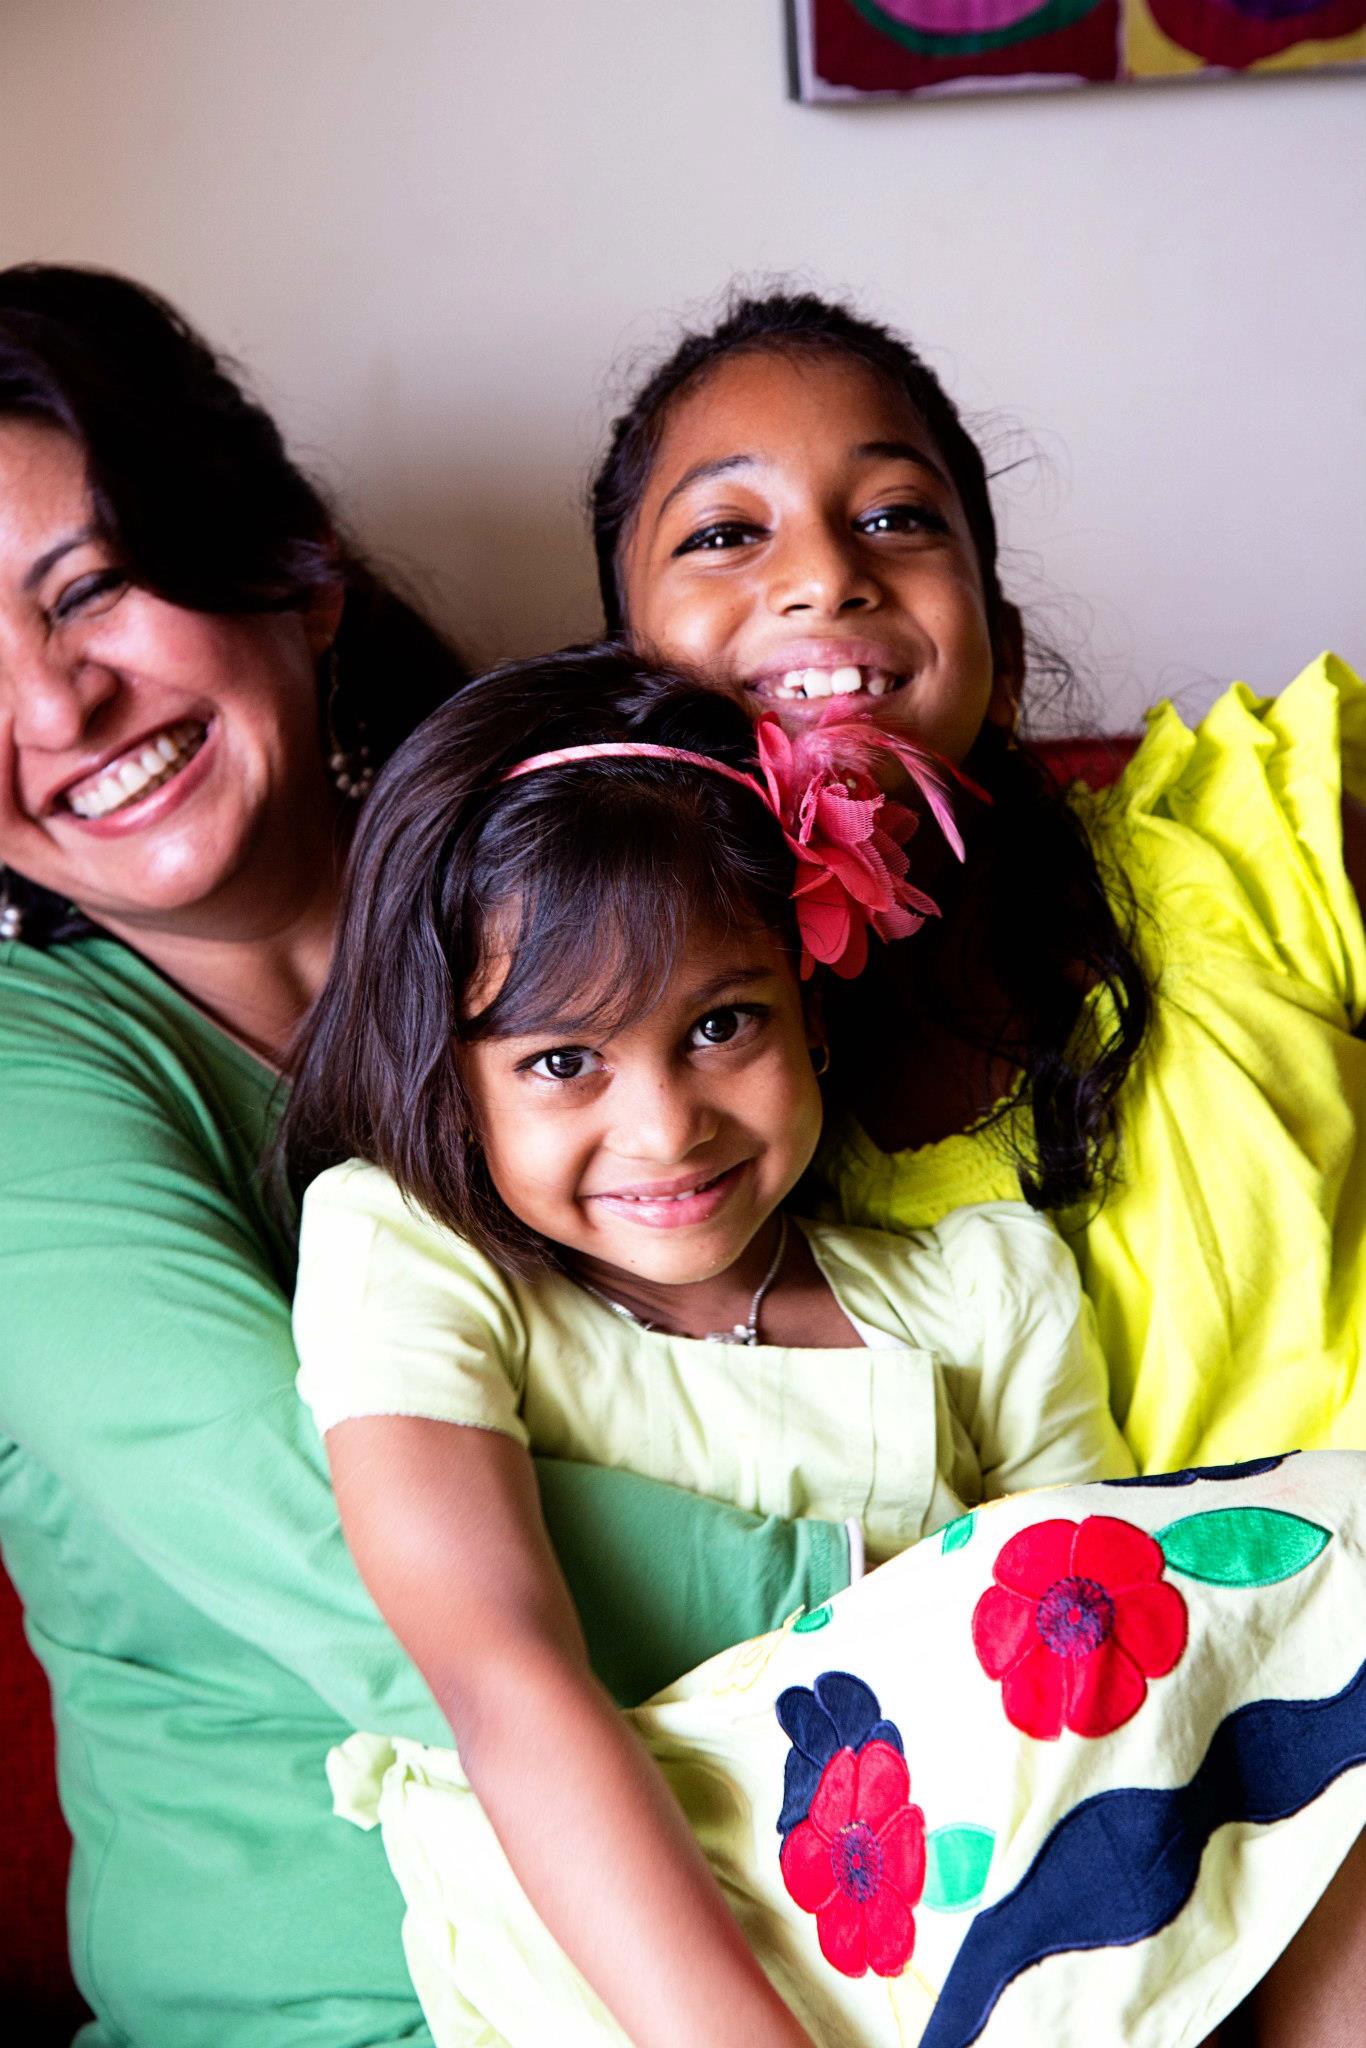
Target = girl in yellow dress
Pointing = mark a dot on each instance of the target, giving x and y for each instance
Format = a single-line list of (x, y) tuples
[(1142, 1010), (1021, 1783)]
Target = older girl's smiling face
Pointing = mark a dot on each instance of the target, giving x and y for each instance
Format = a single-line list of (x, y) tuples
[(799, 538), (157, 765)]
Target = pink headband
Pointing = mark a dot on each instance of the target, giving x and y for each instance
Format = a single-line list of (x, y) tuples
[(606, 750), (847, 837)]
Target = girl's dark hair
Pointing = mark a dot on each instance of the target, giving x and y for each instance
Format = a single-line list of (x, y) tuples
[(581, 881), (192, 488), (1048, 925)]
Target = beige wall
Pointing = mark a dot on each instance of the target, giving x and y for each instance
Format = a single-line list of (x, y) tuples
[(429, 226)]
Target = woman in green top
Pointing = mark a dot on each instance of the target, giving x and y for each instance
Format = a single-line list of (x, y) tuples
[(197, 676)]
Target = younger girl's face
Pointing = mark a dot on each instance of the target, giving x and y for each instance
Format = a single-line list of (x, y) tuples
[(800, 537), (658, 1150)]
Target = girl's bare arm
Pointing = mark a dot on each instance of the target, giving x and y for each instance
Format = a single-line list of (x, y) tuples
[(445, 1525)]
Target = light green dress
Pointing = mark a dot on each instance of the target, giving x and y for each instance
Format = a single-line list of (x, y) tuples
[(1227, 1267), (979, 1373)]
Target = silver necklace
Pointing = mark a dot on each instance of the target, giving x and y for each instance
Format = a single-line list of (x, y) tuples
[(739, 1333)]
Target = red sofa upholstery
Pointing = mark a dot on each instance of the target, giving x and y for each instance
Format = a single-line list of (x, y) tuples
[(35, 1849), (35, 1979), (1094, 761)]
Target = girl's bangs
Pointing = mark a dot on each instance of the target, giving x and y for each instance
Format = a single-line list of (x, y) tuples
[(613, 893)]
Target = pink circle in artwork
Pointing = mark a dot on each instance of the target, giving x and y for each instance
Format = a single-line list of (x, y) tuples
[(959, 17)]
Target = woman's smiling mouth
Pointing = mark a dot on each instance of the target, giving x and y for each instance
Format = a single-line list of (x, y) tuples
[(134, 774)]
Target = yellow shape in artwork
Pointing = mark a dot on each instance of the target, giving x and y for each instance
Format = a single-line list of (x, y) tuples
[(1150, 53)]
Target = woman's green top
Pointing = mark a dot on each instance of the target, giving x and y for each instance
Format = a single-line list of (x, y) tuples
[(166, 1514)]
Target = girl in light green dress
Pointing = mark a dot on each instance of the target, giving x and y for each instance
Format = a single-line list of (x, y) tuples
[(557, 1092)]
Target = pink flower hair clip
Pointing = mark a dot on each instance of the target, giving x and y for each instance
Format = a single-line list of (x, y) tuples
[(847, 836)]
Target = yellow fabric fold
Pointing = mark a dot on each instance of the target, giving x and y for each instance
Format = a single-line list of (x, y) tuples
[(1228, 1264)]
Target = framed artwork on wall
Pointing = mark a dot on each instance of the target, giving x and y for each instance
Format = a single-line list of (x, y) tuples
[(855, 49)]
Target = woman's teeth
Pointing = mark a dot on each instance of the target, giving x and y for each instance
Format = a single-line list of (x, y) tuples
[(139, 772), (834, 682)]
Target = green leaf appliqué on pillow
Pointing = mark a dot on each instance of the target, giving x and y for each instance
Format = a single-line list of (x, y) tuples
[(815, 1618), (1241, 1546), (957, 1860)]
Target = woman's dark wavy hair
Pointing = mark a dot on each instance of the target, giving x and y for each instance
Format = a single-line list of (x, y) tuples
[(192, 487), (592, 875), (1048, 924)]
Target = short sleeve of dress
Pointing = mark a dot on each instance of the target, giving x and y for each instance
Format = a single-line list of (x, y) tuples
[(395, 1315), (1034, 1398), (1232, 832)]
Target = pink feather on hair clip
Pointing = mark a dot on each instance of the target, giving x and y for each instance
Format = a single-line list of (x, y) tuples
[(848, 836)]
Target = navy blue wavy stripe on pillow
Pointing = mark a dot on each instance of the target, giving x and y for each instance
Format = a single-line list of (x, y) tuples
[(1122, 1864), (1251, 1468)]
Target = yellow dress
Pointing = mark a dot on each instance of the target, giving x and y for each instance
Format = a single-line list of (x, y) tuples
[(1228, 1265)]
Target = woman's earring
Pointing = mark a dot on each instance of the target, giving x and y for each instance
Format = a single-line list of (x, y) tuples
[(352, 772), (11, 916), (820, 1060)]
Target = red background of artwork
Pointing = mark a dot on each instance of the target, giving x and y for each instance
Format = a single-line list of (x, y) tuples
[(847, 50)]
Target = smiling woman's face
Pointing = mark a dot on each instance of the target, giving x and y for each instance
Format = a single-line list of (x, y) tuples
[(799, 537), (159, 767)]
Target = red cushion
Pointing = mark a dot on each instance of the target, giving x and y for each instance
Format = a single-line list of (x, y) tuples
[(1094, 761), (35, 1849)]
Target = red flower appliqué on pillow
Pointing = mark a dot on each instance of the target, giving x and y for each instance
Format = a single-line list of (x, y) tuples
[(1078, 1621), (858, 1861)]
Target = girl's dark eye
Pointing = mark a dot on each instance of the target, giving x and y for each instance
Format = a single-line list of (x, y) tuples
[(565, 1063), (721, 534), (723, 1027), (89, 594), (907, 518)]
